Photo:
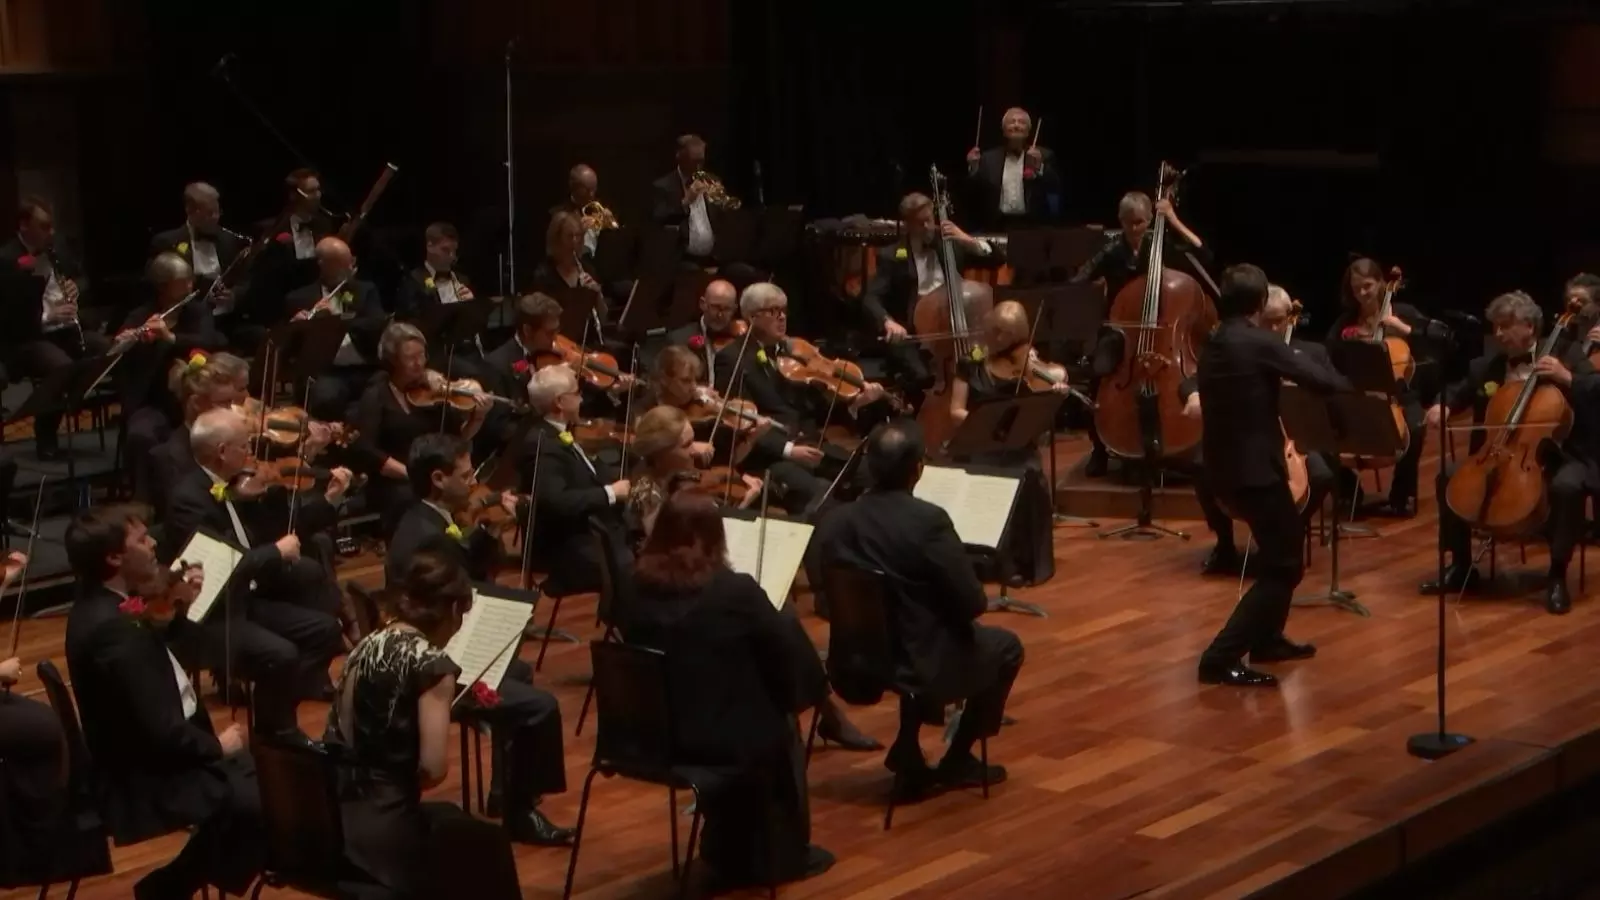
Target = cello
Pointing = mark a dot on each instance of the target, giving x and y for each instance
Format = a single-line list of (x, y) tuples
[(1293, 460), (1137, 412), (1401, 362), (950, 311), (1501, 488)]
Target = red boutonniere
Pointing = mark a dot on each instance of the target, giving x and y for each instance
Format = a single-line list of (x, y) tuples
[(285, 237), (697, 342), (25, 262), (1351, 332), (520, 367), (1029, 171), (485, 696), (133, 606)]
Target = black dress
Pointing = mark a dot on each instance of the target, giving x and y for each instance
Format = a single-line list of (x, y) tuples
[(1029, 549), (737, 673), (387, 430), (390, 833)]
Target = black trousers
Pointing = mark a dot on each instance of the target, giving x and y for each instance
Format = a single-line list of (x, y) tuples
[(1566, 481), (1220, 523), (283, 646), (1259, 618), (48, 353), (908, 369), (758, 821), (148, 428), (226, 846), (794, 487), (1320, 482), (527, 750), (999, 652)]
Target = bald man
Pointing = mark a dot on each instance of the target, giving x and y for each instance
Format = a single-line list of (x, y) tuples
[(337, 291), (1015, 183), (202, 242), (719, 311)]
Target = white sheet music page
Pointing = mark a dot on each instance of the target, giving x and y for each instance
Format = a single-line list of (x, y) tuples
[(217, 561), (774, 565), (491, 624), (978, 505)]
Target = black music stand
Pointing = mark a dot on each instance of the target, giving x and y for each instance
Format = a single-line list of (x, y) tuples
[(449, 325), (1005, 425), (779, 235), (660, 251), (615, 250), (65, 391), (308, 346), (1367, 366), (1342, 423), (580, 316), (736, 233)]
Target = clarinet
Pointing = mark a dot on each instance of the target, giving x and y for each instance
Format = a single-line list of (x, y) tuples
[(55, 271)]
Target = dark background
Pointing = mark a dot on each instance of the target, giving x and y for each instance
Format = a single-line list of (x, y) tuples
[(1455, 139)]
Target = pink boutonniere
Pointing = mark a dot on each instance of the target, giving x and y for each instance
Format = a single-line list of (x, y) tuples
[(697, 342), (521, 367), (285, 237), (26, 262), (485, 696), (134, 607)]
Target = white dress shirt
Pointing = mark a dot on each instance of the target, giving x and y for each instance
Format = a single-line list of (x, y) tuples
[(50, 316), (930, 275), (203, 255), (701, 240), (239, 533), (444, 284), (1012, 201), (611, 496), (305, 243)]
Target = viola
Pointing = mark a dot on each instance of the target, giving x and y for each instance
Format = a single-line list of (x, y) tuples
[(484, 510), (717, 482), (736, 330), (800, 361), (594, 368), (593, 434), (462, 394)]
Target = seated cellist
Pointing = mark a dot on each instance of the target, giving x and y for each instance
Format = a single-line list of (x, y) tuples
[(1570, 469)]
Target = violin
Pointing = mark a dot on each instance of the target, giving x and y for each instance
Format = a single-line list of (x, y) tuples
[(162, 590), (1022, 365), (462, 394), (289, 473), (484, 510), (596, 369), (740, 416), (593, 434), (735, 331), (800, 361), (717, 482), (286, 426), (1501, 488)]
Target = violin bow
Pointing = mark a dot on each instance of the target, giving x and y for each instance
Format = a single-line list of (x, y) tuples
[(300, 461), (533, 491), (761, 534), (22, 590), (1038, 129), (977, 134), (738, 373), (839, 477), (1033, 332), (727, 488), (627, 414)]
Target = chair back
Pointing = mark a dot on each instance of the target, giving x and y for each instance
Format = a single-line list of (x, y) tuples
[(631, 701), (860, 653), (80, 775), (300, 809), (616, 582)]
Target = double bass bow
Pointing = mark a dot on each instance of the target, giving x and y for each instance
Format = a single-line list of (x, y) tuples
[(1138, 413)]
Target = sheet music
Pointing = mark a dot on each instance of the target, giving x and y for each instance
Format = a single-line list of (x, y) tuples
[(217, 561), (979, 505), (777, 563), (486, 629)]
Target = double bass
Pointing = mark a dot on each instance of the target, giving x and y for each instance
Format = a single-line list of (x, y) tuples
[(1138, 413), (948, 313), (1500, 488)]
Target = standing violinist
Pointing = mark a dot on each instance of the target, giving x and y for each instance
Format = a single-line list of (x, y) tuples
[(338, 292), (1240, 372), (204, 244), (1028, 551), (1362, 292), (718, 325), (1571, 469), (388, 420), (1124, 256), (1015, 183), (909, 271)]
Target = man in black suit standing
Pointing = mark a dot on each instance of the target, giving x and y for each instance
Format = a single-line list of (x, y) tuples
[(160, 764), (569, 487), (526, 721), (204, 244), (40, 296), (338, 291), (284, 627), (1015, 184), (934, 599), (1241, 370)]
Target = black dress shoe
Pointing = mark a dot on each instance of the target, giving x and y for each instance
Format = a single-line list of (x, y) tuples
[(1236, 675), (967, 771), (846, 735), (1222, 561), (1282, 650), (1556, 600), (1457, 579), (533, 828)]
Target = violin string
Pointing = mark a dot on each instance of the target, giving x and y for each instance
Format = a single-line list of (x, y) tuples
[(22, 589)]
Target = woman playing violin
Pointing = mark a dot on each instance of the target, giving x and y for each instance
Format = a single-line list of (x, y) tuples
[(388, 420), (1005, 351), (1362, 292), (664, 441)]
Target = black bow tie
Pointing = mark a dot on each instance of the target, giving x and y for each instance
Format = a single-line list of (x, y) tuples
[(1521, 359)]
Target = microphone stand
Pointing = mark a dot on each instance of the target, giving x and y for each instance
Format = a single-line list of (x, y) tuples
[(511, 194), (220, 71)]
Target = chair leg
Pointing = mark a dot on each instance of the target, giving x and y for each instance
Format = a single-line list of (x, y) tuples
[(588, 698), (888, 814), (72, 889), (672, 821), (983, 757), (811, 739), (550, 629), (466, 775), (477, 767), (577, 833), (688, 857), (44, 891)]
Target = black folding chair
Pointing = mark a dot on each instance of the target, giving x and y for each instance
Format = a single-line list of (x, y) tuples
[(82, 847), (304, 825), (615, 593)]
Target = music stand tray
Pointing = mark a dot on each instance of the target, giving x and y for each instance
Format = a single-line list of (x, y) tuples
[(309, 346), (449, 324), (581, 309), (664, 306)]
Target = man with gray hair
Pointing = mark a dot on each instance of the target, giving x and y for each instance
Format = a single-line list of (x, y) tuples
[(337, 291), (569, 487), (203, 243), (1017, 183)]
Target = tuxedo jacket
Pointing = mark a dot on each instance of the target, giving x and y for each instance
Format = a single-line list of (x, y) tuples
[(276, 271), (1036, 191), (22, 293), (414, 298), (170, 462), (144, 371), (364, 321), (794, 405), (1486, 376), (666, 200), (892, 290), (420, 528), (155, 767), (180, 241), (566, 493)]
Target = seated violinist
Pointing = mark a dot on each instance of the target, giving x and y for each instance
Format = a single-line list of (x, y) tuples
[(1570, 468), (538, 342), (338, 292), (664, 440), (200, 383), (569, 488), (718, 325), (1028, 556), (1362, 293), (397, 409), (526, 720)]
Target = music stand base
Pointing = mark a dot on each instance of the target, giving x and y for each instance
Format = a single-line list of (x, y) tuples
[(1062, 520), (555, 634), (1005, 603), (1342, 599), (1144, 531), (1436, 744)]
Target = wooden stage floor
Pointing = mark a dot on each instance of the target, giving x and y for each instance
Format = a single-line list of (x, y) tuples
[(1127, 777)]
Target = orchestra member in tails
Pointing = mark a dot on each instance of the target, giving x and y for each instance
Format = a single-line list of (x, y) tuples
[(40, 295), (159, 765), (1361, 294), (338, 292), (527, 751), (1124, 257), (569, 488), (152, 347), (738, 673), (391, 717), (284, 606), (1241, 370), (200, 383), (437, 283), (1571, 470), (1028, 556), (905, 272), (204, 244), (289, 258), (583, 188), (1015, 184), (933, 601), (718, 325), (388, 423)]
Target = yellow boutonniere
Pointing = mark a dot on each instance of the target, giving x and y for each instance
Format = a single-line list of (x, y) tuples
[(219, 492), (976, 354), (197, 360), (566, 438), (900, 254), (427, 283), (1489, 388), (345, 297), (454, 532), (183, 247), (761, 357)]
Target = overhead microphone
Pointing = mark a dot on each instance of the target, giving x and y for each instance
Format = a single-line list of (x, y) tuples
[(221, 68)]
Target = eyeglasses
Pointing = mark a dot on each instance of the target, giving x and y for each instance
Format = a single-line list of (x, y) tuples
[(777, 312)]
